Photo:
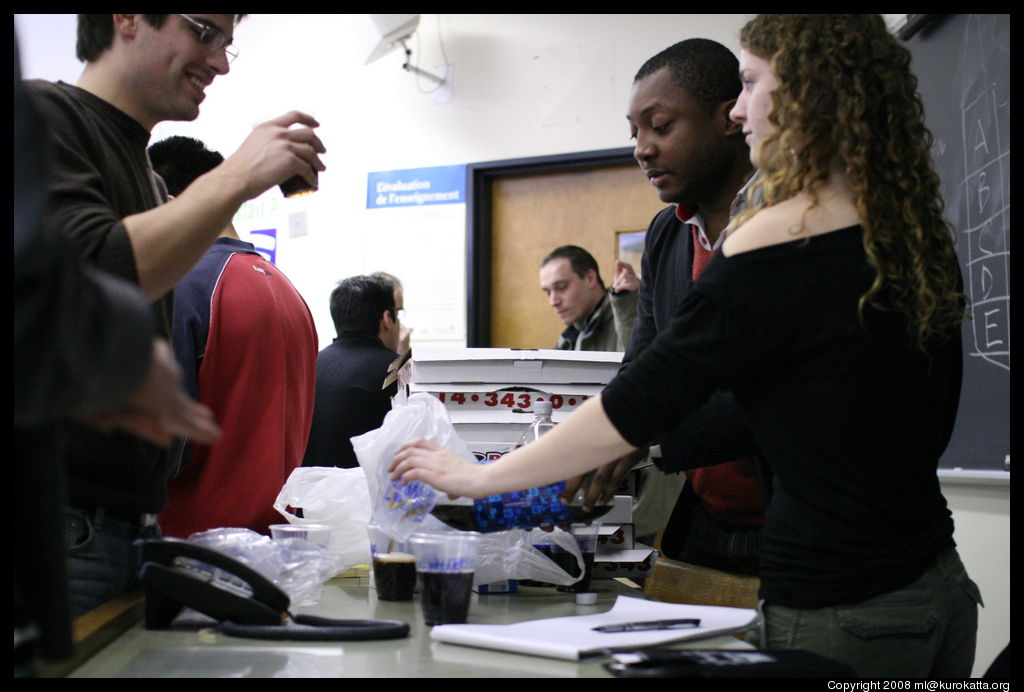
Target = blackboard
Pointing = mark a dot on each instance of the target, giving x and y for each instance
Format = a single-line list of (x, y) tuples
[(962, 63)]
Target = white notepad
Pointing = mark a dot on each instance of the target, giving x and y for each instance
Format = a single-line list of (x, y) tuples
[(571, 638)]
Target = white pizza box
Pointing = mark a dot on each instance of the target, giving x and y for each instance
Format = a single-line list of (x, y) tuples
[(617, 536), (507, 366), (633, 562), (493, 430), (621, 512), (490, 434), (462, 397)]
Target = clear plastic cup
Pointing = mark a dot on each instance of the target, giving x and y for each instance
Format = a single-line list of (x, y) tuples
[(445, 564), (318, 534), (394, 566)]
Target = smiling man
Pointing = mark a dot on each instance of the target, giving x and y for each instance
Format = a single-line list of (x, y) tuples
[(141, 70)]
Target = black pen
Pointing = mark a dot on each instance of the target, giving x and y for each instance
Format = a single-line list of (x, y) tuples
[(650, 625)]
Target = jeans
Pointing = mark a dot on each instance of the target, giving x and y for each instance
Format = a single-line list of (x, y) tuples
[(100, 557), (927, 629), (721, 546)]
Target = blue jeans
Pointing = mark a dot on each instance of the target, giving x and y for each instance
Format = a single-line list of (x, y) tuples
[(100, 557), (927, 629)]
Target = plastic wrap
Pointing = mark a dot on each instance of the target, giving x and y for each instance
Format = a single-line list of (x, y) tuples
[(512, 555), (296, 566), (400, 510), (337, 497)]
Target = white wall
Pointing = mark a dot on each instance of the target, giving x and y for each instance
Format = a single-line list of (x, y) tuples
[(524, 85), (982, 516)]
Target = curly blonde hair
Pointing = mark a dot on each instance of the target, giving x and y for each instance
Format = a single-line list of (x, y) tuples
[(846, 97)]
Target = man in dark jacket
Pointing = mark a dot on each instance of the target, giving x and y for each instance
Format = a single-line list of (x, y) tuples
[(350, 372)]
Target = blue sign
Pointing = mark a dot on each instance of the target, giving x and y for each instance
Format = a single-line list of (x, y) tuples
[(266, 243), (416, 186)]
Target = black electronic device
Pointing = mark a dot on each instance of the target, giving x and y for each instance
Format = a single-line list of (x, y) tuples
[(725, 663), (178, 573)]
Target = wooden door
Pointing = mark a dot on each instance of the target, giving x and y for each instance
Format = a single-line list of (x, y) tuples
[(532, 214)]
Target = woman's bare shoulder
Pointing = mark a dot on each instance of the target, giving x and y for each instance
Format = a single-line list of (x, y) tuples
[(786, 221), (773, 225)]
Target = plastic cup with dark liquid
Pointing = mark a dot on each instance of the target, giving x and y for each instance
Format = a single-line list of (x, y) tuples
[(296, 186), (394, 568), (395, 575), (445, 564)]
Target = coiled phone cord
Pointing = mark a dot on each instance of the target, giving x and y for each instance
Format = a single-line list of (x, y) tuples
[(313, 628)]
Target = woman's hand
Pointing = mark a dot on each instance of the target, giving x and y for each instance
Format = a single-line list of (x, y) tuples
[(422, 460)]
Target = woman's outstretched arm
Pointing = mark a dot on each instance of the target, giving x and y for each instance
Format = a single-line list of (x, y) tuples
[(584, 441)]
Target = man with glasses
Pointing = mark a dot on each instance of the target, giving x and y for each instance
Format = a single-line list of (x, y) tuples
[(141, 70), (350, 372), (212, 37)]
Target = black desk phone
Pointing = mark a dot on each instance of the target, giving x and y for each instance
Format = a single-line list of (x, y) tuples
[(177, 573)]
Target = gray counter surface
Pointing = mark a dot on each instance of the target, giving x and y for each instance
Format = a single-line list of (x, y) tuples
[(190, 653)]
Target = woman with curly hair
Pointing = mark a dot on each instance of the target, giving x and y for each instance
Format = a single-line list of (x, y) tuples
[(832, 312)]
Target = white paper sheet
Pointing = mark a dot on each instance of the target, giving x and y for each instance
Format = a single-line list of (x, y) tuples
[(572, 638)]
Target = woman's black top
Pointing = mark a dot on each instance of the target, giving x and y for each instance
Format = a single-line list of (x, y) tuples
[(851, 416)]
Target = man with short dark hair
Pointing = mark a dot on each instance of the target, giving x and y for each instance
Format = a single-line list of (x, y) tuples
[(596, 318), (696, 158), (141, 70), (84, 347), (404, 331), (247, 345), (350, 372)]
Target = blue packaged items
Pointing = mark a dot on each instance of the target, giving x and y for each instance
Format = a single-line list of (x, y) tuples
[(522, 509), (404, 507)]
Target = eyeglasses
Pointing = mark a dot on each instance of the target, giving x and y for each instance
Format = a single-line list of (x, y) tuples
[(212, 37)]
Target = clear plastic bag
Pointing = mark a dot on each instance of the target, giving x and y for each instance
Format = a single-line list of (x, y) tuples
[(512, 555), (401, 509), (296, 566), (337, 497)]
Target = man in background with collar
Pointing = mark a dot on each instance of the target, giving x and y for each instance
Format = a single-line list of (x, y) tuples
[(596, 318), (142, 70)]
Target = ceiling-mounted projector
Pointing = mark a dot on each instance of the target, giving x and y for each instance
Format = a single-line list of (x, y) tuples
[(389, 31)]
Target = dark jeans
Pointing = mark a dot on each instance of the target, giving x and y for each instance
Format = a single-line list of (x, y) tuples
[(100, 557), (925, 630), (720, 546)]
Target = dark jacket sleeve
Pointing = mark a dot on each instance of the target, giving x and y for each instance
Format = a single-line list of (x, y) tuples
[(714, 433), (82, 339), (81, 205)]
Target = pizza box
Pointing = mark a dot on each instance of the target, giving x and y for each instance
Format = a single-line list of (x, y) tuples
[(514, 366), (460, 397), (634, 562), (617, 536)]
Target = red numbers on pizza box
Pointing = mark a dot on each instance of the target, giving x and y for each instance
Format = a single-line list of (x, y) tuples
[(512, 400)]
